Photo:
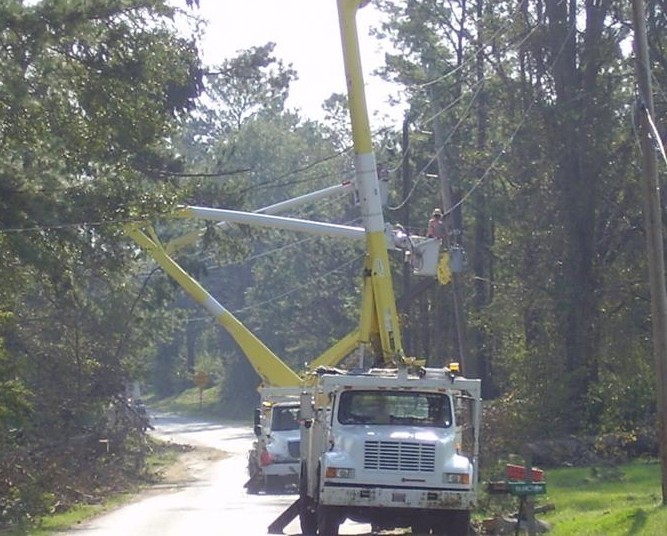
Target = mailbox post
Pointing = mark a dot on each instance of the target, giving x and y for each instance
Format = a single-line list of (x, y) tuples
[(526, 489), (201, 381)]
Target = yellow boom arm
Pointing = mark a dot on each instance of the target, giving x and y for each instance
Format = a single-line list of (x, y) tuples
[(271, 369)]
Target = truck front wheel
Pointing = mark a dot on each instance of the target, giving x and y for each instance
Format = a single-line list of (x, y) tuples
[(307, 514), (421, 527), (449, 523), (458, 523), (307, 518), (328, 521)]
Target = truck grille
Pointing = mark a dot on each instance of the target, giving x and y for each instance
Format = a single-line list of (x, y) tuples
[(399, 456), (293, 447)]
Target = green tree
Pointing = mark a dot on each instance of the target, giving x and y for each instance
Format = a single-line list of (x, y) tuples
[(89, 96), (533, 99), (244, 150)]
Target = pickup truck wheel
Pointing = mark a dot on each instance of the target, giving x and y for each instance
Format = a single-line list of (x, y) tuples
[(328, 521), (274, 484), (253, 488), (254, 484)]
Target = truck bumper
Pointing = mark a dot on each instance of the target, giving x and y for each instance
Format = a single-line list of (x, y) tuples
[(335, 494), (281, 469)]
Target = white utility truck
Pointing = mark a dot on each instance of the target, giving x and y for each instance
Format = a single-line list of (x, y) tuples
[(390, 447), (274, 459)]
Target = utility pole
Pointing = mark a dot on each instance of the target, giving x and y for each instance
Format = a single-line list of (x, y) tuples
[(653, 230), (407, 186), (448, 219)]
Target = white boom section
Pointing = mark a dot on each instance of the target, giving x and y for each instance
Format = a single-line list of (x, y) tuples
[(422, 252), (193, 236), (306, 198), (278, 222)]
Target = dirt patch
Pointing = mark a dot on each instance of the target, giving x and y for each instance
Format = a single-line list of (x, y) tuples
[(189, 465)]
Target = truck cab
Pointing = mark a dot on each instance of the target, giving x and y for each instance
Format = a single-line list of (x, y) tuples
[(392, 449)]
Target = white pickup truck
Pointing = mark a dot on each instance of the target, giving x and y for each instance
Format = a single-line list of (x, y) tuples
[(273, 460)]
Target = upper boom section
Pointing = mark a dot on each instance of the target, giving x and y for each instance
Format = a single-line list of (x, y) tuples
[(379, 318)]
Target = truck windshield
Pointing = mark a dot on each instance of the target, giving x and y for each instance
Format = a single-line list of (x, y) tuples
[(284, 418), (395, 407)]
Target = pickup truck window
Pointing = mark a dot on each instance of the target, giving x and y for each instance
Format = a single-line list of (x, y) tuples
[(284, 418), (395, 407)]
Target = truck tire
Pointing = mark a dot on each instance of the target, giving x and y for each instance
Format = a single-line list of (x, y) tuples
[(328, 521), (274, 484), (450, 523), (307, 513), (457, 523), (421, 527), (307, 518), (254, 484), (253, 487)]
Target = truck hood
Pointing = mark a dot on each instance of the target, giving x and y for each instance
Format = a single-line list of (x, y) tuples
[(286, 435), (356, 433)]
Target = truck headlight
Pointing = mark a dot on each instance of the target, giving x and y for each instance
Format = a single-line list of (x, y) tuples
[(339, 472), (456, 478)]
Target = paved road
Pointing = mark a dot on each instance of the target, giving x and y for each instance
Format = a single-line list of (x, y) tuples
[(214, 502)]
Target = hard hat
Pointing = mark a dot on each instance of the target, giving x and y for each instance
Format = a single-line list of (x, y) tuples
[(437, 211)]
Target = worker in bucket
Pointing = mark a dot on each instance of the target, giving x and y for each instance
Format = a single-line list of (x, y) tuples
[(436, 225)]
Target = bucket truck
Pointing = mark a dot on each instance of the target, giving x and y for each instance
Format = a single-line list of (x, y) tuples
[(395, 444)]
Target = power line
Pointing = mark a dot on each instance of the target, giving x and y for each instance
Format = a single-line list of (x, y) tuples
[(472, 57), (504, 146), (510, 140), (301, 286)]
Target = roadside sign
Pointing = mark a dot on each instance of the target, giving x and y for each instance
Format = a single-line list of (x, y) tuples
[(201, 379), (527, 488)]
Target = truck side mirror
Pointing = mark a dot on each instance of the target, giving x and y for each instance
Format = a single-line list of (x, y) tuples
[(258, 430), (306, 410), (258, 416)]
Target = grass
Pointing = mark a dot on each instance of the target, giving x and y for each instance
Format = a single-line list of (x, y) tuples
[(66, 520), (192, 402), (621, 501)]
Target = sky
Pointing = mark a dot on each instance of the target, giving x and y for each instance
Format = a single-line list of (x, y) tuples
[(307, 35)]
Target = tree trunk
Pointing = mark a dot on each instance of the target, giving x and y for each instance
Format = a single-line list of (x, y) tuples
[(481, 258), (576, 176)]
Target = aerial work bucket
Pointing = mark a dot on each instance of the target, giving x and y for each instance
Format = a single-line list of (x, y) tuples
[(424, 257)]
